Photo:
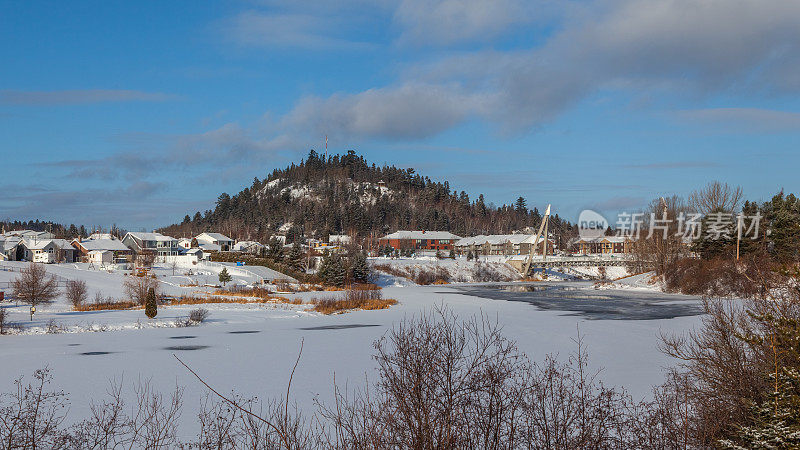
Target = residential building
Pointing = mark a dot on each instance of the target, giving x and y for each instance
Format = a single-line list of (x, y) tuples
[(48, 250), (249, 247), (603, 245), (224, 242), (503, 244), (120, 253), (156, 243), (419, 240)]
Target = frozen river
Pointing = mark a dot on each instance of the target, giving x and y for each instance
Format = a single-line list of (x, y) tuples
[(251, 348)]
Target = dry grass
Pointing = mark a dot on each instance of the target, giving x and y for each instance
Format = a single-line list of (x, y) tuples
[(107, 305), (365, 299), (241, 299), (441, 282)]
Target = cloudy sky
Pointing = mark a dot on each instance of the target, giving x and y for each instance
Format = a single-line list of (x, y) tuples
[(137, 113)]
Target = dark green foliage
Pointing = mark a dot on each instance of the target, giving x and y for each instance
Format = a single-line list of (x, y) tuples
[(150, 304), (344, 197), (469, 255), (224, 276), (333, 269), (275, 250), (782, 215), (452, 254), (296, 258), (775, 422), (360, 269), (722, 241)]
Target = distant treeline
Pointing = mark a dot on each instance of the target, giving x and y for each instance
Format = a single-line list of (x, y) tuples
[(340, 195), (63, 231)]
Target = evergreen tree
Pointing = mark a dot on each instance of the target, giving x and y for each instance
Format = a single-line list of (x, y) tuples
[(150, 304), (361, 269), (783, 218), (296, 257), (224, 276), (469, 255), (452, 254), (775, 422)]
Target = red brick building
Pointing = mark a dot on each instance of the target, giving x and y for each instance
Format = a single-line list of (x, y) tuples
[(419, 240)]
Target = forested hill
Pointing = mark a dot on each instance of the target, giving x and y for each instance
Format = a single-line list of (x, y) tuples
[(344, 194)]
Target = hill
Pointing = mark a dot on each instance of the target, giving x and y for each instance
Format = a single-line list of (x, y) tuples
[(344, 194)]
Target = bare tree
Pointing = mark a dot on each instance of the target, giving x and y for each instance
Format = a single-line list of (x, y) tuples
[(716, 197), (173, 264), (660, 243), (76, 292), (34, 286), (31, 416), (137, 287)]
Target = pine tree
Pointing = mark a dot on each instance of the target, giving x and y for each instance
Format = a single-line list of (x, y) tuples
[(452, 254), (224, 276), (469, 255), (150, 304), (296, 257), (775, 422), (361, 270)]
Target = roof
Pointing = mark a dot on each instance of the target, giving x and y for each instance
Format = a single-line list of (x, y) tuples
[(518, 238), (103, 244), (150, 236), (404, 234), (217, 236), (210, 247)]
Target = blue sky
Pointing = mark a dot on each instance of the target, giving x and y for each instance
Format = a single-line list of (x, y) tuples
[(137, 113)]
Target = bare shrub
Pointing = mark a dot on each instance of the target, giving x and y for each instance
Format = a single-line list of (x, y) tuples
[(54, 327), (353, 298), (484, 272), (136, 288), (76, 292), (153, 422), (31, 416), (34, 286), (198, 315)]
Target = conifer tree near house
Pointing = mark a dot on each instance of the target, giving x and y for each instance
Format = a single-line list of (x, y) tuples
[(360, 268), (224, 276), (150, 304), (296, 257)]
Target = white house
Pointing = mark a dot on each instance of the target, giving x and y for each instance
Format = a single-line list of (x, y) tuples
[(224, 242), (185, 243), (157, 243), (48, 250), (120, 252), (251, 247), (341, 239), (100, 257), (10, 249)]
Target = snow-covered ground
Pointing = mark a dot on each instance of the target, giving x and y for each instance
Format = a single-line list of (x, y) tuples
[(251, 348), (459, 269)]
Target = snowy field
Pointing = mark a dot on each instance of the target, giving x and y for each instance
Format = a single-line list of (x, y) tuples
[(251, 348)]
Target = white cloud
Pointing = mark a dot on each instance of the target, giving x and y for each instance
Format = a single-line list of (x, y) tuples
[(444, 22), (410, 111)]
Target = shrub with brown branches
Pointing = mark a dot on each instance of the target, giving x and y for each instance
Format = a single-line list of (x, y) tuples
[(34, 286), (353, 298), (137, 288), (76, 292)]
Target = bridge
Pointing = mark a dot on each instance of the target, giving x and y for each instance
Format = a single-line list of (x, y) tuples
[(539, 262)]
